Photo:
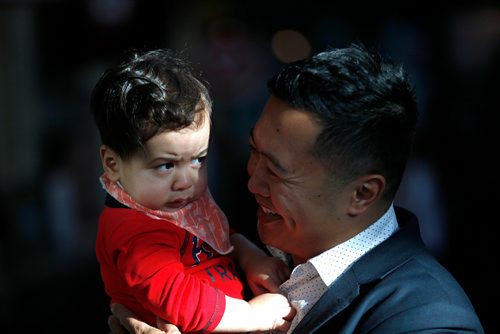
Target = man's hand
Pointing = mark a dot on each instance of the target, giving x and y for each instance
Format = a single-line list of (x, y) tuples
[(123, 322), (265, 274)]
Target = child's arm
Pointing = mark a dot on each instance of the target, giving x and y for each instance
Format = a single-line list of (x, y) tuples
[(263, 273), (268, 311), (239, 316)]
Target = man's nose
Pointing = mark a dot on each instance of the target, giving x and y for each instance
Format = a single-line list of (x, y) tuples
[(257, 183)]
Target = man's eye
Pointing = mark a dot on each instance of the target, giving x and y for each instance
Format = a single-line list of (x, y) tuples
[(253, 151), (166, 166), (271, 172)]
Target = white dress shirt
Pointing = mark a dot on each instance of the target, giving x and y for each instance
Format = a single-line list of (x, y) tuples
[(310, 280)]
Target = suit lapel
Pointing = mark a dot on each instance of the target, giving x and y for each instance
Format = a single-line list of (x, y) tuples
[(374, 265), (336, 298)]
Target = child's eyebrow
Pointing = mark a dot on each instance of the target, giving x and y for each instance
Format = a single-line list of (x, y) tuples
[(202, 152)]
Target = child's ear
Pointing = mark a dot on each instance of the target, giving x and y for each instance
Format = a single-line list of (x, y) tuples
[(367, 191), (110, 162)]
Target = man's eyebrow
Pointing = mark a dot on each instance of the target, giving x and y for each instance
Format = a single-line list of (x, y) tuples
[(272, 159)]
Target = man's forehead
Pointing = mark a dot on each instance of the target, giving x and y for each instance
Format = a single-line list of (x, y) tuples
[(285, 135), (280, 120)]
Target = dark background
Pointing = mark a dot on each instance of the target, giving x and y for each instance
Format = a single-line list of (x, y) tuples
[(52, 53)]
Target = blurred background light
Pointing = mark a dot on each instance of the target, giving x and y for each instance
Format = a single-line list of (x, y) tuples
[(290, 45)]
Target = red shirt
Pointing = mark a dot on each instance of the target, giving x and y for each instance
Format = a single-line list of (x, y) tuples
[(155, 268)]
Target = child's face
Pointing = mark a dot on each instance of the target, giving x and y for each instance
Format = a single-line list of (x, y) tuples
[(172, 173)]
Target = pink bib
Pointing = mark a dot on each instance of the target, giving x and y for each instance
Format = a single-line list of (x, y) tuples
[(202, 217)]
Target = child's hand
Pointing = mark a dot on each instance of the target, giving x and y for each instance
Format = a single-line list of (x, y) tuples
[(265, 274), (272, 311)]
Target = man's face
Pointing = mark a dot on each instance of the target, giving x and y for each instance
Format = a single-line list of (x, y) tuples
[(298, 200)]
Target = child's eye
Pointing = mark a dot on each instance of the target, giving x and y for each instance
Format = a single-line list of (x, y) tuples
[(199, 160), (166, 166)]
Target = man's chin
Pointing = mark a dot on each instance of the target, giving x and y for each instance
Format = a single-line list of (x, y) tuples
[(269, 231)]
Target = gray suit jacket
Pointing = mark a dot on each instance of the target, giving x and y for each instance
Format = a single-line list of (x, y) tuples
[(397, 287)]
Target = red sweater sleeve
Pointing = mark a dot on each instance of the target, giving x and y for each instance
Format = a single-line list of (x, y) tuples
[(147, 263), (159, 282)]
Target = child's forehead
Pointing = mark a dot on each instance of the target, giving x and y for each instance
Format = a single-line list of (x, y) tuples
[(202, 117), (188, 141)]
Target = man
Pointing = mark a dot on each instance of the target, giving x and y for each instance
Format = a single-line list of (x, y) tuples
[(328, 154)]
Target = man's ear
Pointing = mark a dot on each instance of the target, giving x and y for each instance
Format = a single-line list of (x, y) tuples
[(110, 162), (368, 189)]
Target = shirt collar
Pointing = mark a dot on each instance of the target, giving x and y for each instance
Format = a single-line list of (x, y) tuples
[(333, 262)]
